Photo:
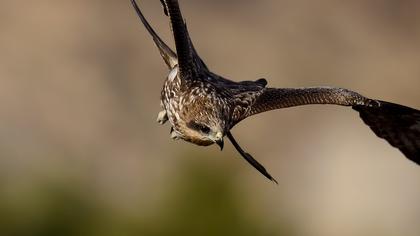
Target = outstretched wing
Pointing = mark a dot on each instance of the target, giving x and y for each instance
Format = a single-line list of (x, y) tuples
[(166, 52), (200, 63), (187, 57), (250, 159), (397, 124), (267, 99), (273, 98), (190, 64)]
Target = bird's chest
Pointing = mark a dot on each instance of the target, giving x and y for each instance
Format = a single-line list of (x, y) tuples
[(172, 97)]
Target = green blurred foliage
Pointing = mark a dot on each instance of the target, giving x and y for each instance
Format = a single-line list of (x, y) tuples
[(205, 204), (199, 203)]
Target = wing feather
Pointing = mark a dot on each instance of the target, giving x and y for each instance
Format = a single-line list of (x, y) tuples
[(166, 52), (398, 125), (186, 60), (276, 98)]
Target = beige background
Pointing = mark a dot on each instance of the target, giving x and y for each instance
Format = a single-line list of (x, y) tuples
[(80, 83)]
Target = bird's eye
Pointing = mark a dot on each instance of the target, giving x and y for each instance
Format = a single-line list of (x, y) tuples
[(199, 127), (204, 129)]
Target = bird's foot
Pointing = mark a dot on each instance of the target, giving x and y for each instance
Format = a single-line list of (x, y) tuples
[(162, 117), (174, 134)]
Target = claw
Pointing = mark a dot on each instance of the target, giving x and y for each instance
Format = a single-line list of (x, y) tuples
[(174, 135), (162, 117)]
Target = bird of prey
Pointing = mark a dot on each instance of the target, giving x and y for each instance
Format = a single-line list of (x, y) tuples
[(202, 106)]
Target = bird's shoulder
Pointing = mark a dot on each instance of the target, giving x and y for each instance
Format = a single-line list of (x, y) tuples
[(241, 95), (241, 88)]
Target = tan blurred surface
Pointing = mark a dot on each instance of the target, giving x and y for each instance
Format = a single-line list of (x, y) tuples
[(80, 86)]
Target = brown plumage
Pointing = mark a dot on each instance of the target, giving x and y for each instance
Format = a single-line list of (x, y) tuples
[(202, 106)]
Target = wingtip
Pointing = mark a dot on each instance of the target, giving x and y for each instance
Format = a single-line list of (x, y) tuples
[(165, 10), (168, 55), (248, 157), (274, 180), (268, 176), (399, 125)]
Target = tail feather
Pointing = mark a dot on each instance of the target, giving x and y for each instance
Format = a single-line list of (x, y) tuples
[(397, 124), (168, 55)]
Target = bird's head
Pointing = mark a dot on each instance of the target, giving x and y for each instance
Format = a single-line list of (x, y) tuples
[(204, 124), (203, 133)]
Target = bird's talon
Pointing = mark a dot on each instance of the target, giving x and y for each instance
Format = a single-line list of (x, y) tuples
[(174, 135), (162, 117)]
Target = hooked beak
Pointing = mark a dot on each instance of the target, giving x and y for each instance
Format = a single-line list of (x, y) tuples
[(221, 143), (219, 140)]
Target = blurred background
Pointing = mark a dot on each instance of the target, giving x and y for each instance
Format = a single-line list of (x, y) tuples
[(81, 153)]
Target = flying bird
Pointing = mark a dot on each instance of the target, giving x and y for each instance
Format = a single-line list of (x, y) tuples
[(202, 107)]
